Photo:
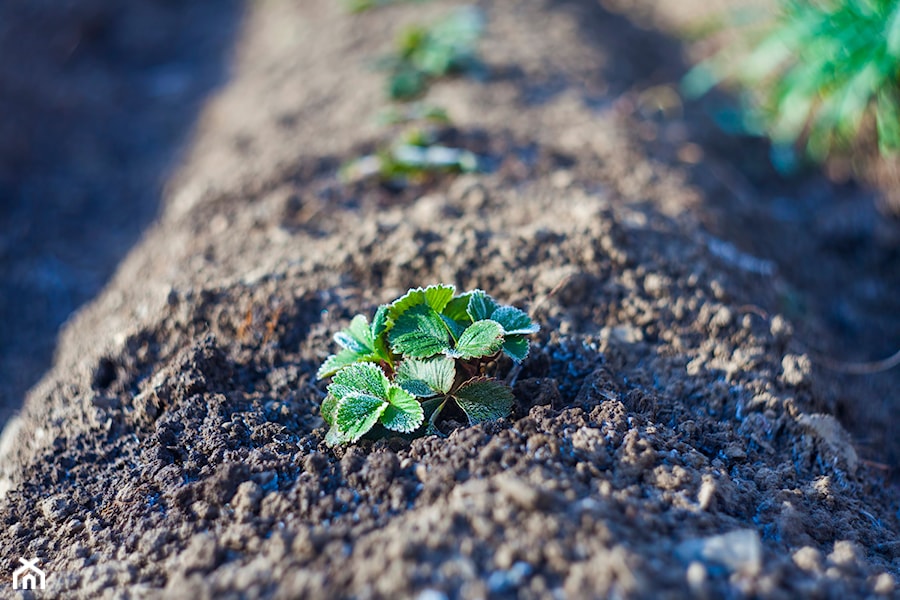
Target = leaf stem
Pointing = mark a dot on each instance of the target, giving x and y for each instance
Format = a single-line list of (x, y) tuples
[(450, 331), (433, 417)]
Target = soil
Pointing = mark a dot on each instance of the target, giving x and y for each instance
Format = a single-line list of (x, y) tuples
[(97, 101), (679, 428)]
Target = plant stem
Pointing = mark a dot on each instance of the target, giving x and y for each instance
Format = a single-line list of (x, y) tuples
[(433, 417)]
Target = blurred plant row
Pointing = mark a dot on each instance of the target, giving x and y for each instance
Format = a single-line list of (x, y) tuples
[(422, 54), (821, 79)]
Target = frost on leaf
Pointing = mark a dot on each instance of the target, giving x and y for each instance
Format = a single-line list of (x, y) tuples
[(329, 405), (415, 358), (484, 399), (360, 396), (516, 347), (359, 344), (481, 338), (434, 296), (357, 337), (416, 387), (425, 378), (336, 362), (403, 413), (365, 378), (419, 333), (334, 437), (514, 321), (481, 306), (356, 414)]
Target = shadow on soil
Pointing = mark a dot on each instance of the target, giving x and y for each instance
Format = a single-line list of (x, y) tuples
[(838, 258), (102, 97)]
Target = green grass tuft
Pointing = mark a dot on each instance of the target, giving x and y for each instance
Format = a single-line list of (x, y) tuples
[(823, 77)]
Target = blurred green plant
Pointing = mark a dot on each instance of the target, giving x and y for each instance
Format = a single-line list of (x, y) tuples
[(411, 113), (424, 353), (364, 5), (425, 53), (415, 153), (821, 78)]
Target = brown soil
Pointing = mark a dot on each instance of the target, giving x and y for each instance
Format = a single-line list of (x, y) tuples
[(675, 432)]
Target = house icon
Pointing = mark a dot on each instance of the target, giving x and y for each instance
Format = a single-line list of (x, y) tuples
[(28, 576)]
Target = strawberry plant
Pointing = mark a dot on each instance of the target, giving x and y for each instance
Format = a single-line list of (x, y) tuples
[(421, 355), (414, 155)]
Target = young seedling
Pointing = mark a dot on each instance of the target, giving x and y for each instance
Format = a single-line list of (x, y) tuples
[(824, 75), (424, 54), (422, 354), (415, 154)]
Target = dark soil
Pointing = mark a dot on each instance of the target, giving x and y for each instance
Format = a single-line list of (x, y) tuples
[(96, 101), (675, 433)]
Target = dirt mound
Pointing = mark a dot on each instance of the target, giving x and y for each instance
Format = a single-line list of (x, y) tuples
[(669, 438)]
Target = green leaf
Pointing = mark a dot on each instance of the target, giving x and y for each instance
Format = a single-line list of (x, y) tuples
[(413, 297), (858, 94), (516, 347), (329, 404), (357, 337), (336, 362), (406, 83), (888, 119), (380, 325), (481, 338), (365, 378), (455, 327), (793, 114), (404, 413), (334, 437), (357, 413), (360, 330), (481, 306), (350, 343), (514, 321), (380, 321), (435, 296), (819, 72), (416, 387), (419, 333), (893, 33), (339, 391), (768, 55), (484, 399), (427, 377), (457, 307), (359, 344)]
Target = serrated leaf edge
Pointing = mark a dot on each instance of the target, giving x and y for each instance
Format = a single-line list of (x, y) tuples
[(344, 401)]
